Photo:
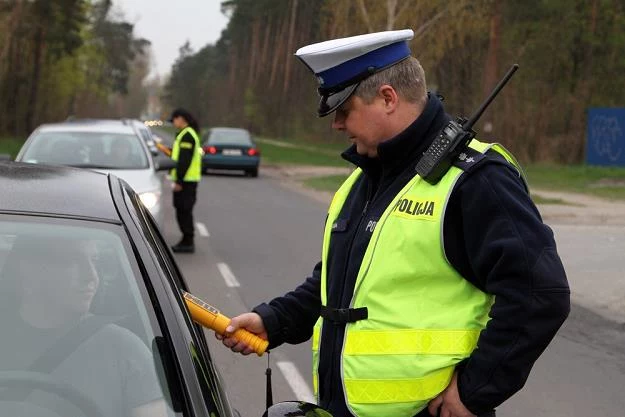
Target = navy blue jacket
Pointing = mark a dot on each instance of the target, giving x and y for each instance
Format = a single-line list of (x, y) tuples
[(493, 236)]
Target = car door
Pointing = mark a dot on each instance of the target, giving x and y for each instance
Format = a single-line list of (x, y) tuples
[(206, 374)]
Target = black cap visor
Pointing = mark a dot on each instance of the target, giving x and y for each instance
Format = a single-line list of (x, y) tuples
[(330, 102)]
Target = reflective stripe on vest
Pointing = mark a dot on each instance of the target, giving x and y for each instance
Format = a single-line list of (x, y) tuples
[(194, 172), (407, 342), (423, 317)]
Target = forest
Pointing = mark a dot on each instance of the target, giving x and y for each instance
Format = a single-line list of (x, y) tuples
[(570, 54), (67, 58)]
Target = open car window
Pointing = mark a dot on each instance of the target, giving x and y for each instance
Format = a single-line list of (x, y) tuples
[(214, 396), (81, 327)]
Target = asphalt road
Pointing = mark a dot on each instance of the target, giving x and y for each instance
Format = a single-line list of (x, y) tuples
[(257, 239)]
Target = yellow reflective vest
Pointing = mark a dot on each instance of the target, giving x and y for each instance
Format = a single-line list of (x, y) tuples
[(194, 173), (423, 317)]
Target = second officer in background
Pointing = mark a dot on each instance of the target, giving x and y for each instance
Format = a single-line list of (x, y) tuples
[(187, 152)]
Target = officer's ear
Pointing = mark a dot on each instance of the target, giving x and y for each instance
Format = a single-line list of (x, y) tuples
[(390, 97)]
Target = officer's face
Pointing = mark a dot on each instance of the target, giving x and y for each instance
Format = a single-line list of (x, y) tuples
[(178, 122), (363, 123)]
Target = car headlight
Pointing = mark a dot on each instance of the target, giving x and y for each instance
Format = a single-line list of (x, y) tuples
[(149, 199)]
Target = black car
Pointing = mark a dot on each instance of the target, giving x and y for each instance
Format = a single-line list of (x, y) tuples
[(92, 318), (93, 322)]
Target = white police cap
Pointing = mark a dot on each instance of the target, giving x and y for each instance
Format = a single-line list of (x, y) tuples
[(341, 64)]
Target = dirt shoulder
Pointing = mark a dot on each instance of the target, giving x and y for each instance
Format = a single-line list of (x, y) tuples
[(293, 177), (572, 208)]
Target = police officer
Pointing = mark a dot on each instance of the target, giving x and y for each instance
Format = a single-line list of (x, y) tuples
[(187, 152), (429, 299)]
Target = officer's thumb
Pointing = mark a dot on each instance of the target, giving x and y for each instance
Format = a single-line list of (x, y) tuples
[(251, 322), (238, 322)]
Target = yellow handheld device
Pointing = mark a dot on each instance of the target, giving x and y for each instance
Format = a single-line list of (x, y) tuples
[(209, 316)]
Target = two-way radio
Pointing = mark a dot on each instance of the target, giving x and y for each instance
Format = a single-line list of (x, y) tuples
[(453, 139), (208, 316)]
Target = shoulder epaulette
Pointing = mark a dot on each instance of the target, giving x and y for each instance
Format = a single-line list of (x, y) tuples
[(468, 159)]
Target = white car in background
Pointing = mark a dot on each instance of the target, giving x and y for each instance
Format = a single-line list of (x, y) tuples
[(114, 146)]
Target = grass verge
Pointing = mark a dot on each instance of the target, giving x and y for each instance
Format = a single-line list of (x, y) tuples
[(332, 183), (325, 183), (10, 146), (605, 182), (286, 153), (538, 199)]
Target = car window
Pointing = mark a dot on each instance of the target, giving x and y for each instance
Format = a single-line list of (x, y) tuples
[(145, 134), (229, 137), (215, 397), (78, 319), (87, 149)]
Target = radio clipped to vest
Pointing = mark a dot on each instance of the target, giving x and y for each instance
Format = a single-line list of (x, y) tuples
[(453, 139)]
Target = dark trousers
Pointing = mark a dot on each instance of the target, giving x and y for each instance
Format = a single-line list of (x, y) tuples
[(184, 200)]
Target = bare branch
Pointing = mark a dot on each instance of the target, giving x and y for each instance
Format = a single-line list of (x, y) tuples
[(404, 8), (391, 6), (289, 48), (365, 15), (13, 21), (424, 27)]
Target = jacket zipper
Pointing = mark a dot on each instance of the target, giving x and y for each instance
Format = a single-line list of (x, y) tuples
[(336, 360)]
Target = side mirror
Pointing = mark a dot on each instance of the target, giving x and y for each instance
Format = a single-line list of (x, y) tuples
[(295, 409), (5, 157), (164, 163)]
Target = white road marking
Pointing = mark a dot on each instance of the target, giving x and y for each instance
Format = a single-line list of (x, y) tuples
[(202, 230), (229, 277), (296, 381)]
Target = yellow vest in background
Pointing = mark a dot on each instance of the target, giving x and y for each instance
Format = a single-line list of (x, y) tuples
[(194, 173)]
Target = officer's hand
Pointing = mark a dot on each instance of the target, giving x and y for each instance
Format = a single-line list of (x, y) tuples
[(448, 402), (248, 321), (177, 187)]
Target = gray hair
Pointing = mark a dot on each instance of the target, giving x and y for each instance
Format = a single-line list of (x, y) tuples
[(406, 77)]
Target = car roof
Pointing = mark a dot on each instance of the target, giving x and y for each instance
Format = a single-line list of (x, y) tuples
[(228, 129), (124, 121), (101, 126), (55, 190)]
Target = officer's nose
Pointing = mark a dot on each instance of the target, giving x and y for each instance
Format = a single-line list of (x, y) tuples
[(339, 121)]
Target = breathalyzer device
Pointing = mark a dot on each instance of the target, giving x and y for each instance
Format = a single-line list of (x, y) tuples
[(208, 316)]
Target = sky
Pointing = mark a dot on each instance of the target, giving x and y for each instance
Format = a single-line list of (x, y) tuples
[(168, 24)]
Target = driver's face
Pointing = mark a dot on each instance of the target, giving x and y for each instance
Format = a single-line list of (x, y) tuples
[(121, 151), (64, 286)]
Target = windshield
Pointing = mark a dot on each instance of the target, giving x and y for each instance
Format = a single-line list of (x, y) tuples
[(73, 316), (229, 137), (87, 149)]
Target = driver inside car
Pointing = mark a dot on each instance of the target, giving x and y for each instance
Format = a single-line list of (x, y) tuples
[(121, 153), (47, 285)]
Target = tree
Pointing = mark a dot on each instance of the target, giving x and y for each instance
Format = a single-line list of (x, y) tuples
[(62, 57), (568, 51)]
